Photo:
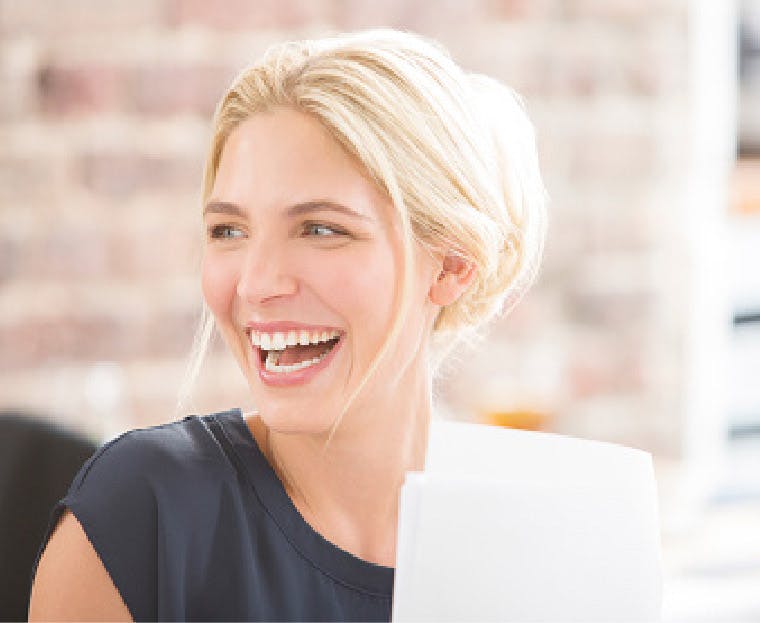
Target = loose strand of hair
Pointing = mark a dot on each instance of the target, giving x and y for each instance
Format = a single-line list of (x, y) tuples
[(201, 341)]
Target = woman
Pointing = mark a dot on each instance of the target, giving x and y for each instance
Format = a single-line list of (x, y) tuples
[(366, 203)]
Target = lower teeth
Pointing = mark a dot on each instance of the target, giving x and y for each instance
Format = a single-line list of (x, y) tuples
[(271, 364)]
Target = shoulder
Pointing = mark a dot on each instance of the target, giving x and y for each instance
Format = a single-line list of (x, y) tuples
[(150, 480), (162, 445), (143, 496), (153, 458)]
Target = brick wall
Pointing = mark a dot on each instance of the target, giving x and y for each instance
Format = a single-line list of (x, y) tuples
[(104, 119)]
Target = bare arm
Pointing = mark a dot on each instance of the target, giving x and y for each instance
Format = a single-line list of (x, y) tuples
[(71, 582)]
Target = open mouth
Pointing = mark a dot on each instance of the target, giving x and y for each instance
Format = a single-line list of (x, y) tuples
[(284, 352)]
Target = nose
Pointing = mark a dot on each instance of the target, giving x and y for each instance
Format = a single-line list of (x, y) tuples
[(265, 274)]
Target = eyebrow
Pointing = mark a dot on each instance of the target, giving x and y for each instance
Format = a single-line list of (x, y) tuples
[(223, 207), (299, 209), (323, 206)]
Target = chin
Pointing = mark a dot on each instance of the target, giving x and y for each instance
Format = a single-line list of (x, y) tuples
[(293, 420)]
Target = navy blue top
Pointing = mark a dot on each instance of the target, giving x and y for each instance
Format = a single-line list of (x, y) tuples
[(192, 523)]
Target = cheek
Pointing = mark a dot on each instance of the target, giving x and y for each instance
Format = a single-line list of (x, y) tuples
[(219, 282), (362, 289)]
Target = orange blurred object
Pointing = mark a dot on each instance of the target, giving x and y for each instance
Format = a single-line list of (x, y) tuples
[(745, 188), (525, 419)]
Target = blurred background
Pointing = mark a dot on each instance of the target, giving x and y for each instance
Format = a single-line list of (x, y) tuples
[(643, 328)]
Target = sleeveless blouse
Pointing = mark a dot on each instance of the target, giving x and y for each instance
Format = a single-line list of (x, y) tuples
[(192, 523)]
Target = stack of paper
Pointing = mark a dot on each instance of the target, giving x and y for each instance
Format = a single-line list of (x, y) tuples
[(511, 525)]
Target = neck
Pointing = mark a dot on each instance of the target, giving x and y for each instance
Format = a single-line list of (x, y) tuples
[(347, 488)]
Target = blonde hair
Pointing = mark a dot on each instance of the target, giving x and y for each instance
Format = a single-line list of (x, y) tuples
[(455, 152)]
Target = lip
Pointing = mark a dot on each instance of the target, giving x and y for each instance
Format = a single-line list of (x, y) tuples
[(297, 377)]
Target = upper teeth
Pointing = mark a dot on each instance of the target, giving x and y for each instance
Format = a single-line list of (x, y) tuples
[(280, 339)]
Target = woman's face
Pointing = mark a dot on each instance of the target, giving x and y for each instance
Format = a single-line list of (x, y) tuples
[(301, 269)]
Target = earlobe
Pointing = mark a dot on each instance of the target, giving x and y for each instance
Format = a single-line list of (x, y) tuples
[(455, 277)]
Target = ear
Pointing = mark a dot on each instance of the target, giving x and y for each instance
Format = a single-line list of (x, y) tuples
[(454, 278)]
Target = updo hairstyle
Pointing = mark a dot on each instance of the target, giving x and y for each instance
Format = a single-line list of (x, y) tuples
[(455, 152)]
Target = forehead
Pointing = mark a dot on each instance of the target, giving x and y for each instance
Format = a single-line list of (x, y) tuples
[(285, 157)]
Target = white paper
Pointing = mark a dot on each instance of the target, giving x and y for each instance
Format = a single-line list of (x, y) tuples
[(516, 526)]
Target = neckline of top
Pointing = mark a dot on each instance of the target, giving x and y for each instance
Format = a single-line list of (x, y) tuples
[(337, 563)]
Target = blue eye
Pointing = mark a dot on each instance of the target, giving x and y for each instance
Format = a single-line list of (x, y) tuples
[(224, 232), (321, 230)]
